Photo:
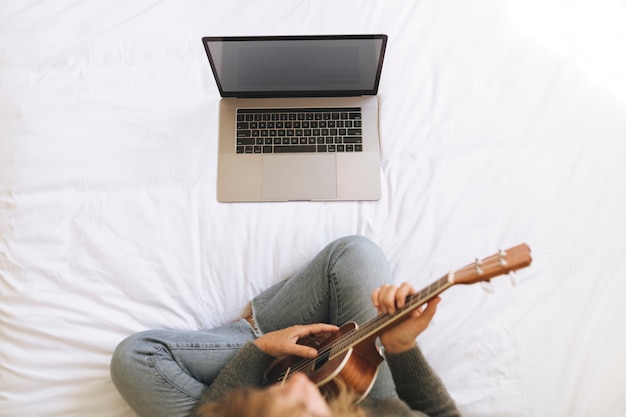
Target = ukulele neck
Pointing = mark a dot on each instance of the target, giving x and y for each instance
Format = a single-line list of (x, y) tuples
[(373, 328)]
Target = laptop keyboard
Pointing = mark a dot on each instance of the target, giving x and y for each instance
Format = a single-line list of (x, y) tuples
[(299, 130)]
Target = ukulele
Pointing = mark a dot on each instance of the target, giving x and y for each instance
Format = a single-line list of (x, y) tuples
[(351, 354)]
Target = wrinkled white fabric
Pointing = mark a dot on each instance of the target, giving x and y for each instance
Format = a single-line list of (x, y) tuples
[(501, 122)]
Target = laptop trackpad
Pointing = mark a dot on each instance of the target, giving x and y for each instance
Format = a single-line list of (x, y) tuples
[(299, 177)]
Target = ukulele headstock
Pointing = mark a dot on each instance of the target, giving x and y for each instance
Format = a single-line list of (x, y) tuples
[(500, 263)]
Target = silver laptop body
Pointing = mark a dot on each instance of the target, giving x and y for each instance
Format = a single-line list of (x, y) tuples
[(298, 119)]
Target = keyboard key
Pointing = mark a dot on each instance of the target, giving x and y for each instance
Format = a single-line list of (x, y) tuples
[(302, 130), (294, 148)]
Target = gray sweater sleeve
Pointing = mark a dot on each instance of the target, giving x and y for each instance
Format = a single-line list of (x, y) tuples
[(418, 385), (246, 369)]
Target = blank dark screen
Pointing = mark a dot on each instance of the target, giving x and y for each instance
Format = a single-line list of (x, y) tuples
[(296, 65)]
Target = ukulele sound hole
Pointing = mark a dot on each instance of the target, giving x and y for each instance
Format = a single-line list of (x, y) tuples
[(319, 362)]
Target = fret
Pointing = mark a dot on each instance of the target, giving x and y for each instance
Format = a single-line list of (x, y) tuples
[(376, 325), (350, 335), (494, 265)]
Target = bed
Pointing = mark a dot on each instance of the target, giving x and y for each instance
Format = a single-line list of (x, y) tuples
[(514, 132)]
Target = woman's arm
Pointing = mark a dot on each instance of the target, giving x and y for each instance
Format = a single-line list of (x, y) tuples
[(419, 386), (245, 369), (416, 382)]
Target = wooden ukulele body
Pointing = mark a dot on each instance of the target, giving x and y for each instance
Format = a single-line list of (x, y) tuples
[(351, 355), (356, 367)]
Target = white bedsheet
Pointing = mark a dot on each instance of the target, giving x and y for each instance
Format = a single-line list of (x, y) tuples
[(501, 122)]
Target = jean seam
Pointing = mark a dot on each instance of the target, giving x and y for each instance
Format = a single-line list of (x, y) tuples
[(335, 287), (163, 375)]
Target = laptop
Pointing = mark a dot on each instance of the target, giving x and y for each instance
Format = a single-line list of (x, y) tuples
[(298, 118)]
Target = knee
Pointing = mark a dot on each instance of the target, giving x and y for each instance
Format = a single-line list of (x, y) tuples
[(355, 242), (129, 356), (362, 248), (364, 258)]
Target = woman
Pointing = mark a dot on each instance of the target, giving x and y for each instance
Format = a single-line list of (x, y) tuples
[(178, 373)]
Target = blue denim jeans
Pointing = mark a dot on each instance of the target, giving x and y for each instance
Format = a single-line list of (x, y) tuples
[(164, 372)]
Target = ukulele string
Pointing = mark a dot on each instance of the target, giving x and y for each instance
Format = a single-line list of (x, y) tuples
[(347, 338), (421, 297)]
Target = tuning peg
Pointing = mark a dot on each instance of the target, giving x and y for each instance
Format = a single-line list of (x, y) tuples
[(513, 278), (487, 286), (477, 267), (502, 258)]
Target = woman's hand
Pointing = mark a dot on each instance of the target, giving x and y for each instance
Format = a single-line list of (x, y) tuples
[(401, 337), (283, 342)]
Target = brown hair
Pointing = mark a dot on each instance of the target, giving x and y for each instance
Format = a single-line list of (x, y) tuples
[(252, 402)]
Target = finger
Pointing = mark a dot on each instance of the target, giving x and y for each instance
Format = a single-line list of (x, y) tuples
[(403, 291), (301, 350), (318, 328), (375, 294), (312, 329), (427, 312), (431, 308), (387, 298)]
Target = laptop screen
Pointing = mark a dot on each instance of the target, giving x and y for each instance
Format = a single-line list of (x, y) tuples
[(296, 66)]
